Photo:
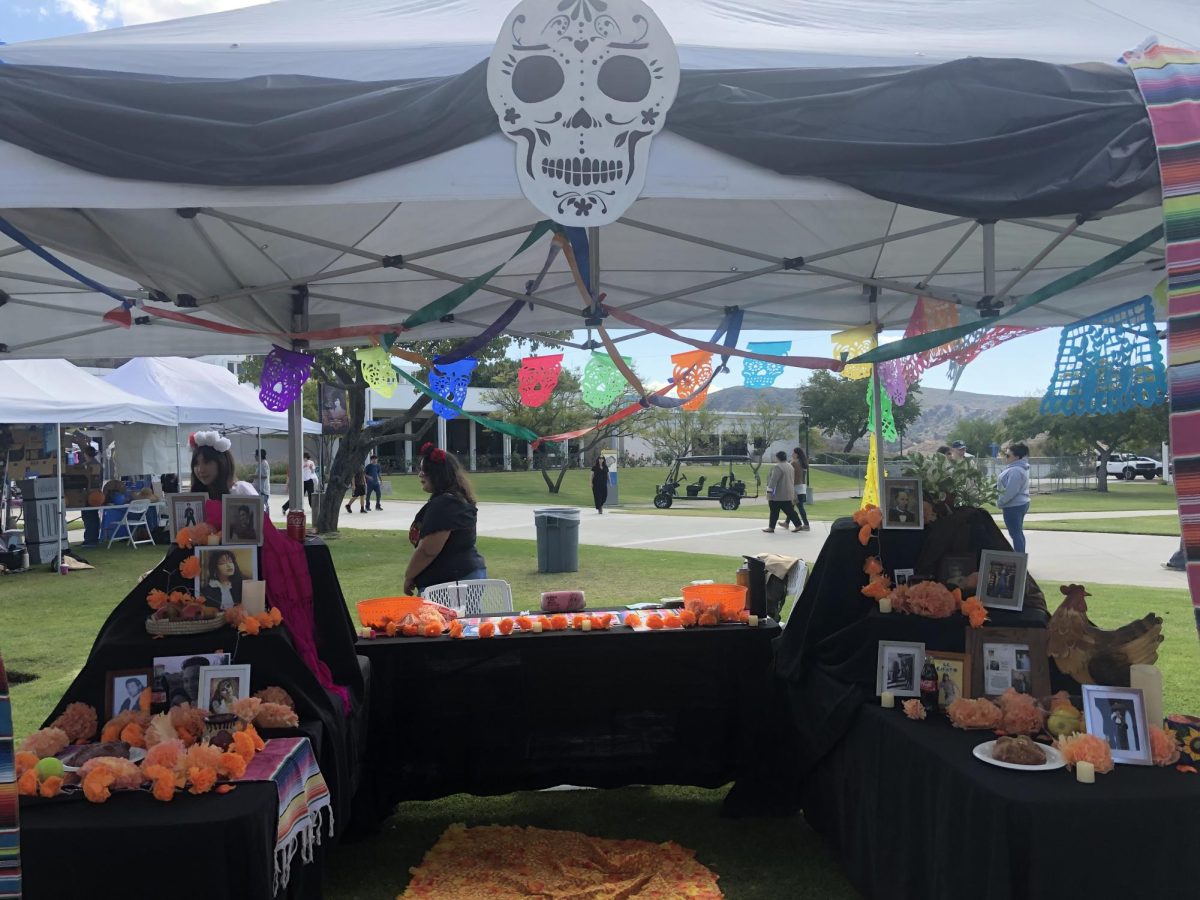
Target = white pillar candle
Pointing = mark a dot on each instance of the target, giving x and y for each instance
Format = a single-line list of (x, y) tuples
[(885, 604), (254, 597), (752, 621), (1085, 772), (537, 627), (214, 540), (1150, 680), (887, 700), (586, 625)]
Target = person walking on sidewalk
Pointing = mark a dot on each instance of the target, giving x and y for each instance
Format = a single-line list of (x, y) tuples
[(262, 480), (781, 489), (800, 471), (374, 484), (600, 483), (360, 491), (1013, 501)]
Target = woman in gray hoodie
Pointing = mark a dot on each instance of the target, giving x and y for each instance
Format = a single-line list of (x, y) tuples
[(1014, 493)]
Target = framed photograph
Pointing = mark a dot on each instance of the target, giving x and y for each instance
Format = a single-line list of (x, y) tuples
[(902, 576), (954, 676), (1002, 579), (955, 570), (241, 520), (123, 690), (221, 685), (900, 664), (903, 504), (177, 678), (223, 570), (185, 509), (1003, 658), (1118, 714)]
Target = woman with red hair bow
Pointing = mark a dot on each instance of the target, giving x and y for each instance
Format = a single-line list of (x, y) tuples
[(443, 532)]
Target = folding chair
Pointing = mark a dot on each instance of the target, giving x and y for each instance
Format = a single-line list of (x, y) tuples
[(475, 598), (134, 518)]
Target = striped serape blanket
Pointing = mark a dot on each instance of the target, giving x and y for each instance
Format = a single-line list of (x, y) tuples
[(10, 835), (303, 800), (1169, 80)]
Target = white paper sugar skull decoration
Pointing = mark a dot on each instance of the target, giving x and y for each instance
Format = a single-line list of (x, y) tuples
[(582, 87)]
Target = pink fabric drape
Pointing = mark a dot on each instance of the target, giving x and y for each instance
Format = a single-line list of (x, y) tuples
[(289, 589)]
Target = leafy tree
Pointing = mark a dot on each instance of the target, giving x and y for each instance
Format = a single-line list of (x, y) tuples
[(1100, 434), (838, 406), (767, 426), (679, 432), (339, 367), (564, 411), (977, 433)]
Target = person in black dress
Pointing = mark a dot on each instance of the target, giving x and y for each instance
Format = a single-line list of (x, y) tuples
[(600, 483), (443, 532)]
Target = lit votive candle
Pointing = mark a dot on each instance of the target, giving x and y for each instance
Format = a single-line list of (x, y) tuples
[(214, 540), (752, 621), (885, 604), (1085, 772), (586, 625), (537, 627), (887, 700)]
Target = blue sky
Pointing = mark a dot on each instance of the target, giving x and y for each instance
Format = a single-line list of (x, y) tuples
[(1020, 368)]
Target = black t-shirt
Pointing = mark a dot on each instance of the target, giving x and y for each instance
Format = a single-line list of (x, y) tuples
[(459, 558)]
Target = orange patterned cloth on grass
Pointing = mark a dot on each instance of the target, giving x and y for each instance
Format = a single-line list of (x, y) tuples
[(507, 861)]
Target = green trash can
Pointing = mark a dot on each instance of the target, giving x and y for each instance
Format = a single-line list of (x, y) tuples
[(557, 539)]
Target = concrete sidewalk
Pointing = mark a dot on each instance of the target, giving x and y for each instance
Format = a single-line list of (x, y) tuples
[(1056, 557)]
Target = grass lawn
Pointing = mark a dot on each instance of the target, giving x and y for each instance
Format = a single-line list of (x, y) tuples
[(1120, 496), (1165, 525)]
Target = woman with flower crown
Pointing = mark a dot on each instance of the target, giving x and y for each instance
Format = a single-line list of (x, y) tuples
[(213, 468), (443, 532)]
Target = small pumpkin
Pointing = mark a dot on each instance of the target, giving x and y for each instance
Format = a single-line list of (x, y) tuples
[(95, 497)]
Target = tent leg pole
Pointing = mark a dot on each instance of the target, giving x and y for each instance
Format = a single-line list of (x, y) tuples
[(179, 462), (296, 409), (62, 512), (876, 398)]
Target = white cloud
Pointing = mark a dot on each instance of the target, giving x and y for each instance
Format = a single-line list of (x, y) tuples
[(97, 14)]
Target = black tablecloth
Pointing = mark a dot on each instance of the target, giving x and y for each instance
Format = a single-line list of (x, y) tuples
[(530, 711), (192, 848), (123, 643), (914, 815)]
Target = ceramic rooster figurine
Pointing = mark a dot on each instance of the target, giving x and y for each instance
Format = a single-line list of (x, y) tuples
[(1091, 655)]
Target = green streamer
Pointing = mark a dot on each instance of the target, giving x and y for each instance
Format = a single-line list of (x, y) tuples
[(517, 431), (917, 343)]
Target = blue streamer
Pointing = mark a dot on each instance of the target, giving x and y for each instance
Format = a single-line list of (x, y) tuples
[(12, 231)]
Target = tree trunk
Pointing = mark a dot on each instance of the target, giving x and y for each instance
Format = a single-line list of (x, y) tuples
[(354, 447)]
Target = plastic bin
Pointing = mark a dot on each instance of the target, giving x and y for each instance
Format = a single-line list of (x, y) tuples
[(557, 539)]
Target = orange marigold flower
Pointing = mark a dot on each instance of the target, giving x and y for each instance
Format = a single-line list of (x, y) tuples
[(243, 745), (433, 629), (163, 780), (487, 629), (524, 623), (506, 626), (633, 620), (157, 599), (202, 780), (190, 567), (873, 566), (183, 539), (409, 630), (709, 620), (27, 784), (688, 618), (558, 622), (276, 616), (180, 597), (233, 765), (879, 586), (975, 612), (134, 735), (25, 761), (224, 788), (51, 786), (671, 620), (743, 616), (249, 626), (456, 628), (577, 621), (546, 624), (253, 732), (96, 783), (390, 628), (654, 621)]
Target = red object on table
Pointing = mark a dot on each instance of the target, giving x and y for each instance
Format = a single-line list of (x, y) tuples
[(295, 525)]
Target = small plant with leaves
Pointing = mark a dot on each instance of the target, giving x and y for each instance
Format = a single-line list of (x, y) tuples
[(949, 483)]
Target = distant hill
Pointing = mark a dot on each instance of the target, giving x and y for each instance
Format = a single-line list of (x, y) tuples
[(940, 408)]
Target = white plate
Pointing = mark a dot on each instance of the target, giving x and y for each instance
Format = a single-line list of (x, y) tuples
[(136, 755), (1054, 759)]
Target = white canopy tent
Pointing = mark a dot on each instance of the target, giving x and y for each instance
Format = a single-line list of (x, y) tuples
[(201, 394)]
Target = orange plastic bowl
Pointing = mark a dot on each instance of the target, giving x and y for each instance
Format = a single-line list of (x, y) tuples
[(372, 612), (732, 597)]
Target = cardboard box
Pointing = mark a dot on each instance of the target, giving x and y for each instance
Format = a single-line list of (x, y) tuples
[(37, 488)]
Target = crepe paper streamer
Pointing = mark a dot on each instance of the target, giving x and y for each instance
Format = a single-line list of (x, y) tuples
[(517, 431), (854, 342), (1108, 363), (10, 230), (624, 413), (1058, 286), (870, 495), (602, 381), (485, 337), (622, 363), (378, 370), (283, 375), (759, 374), (1169, 80), (798, 362), (407, 355), (885, 408), (693, 373), (538, 377), (450, 381)]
